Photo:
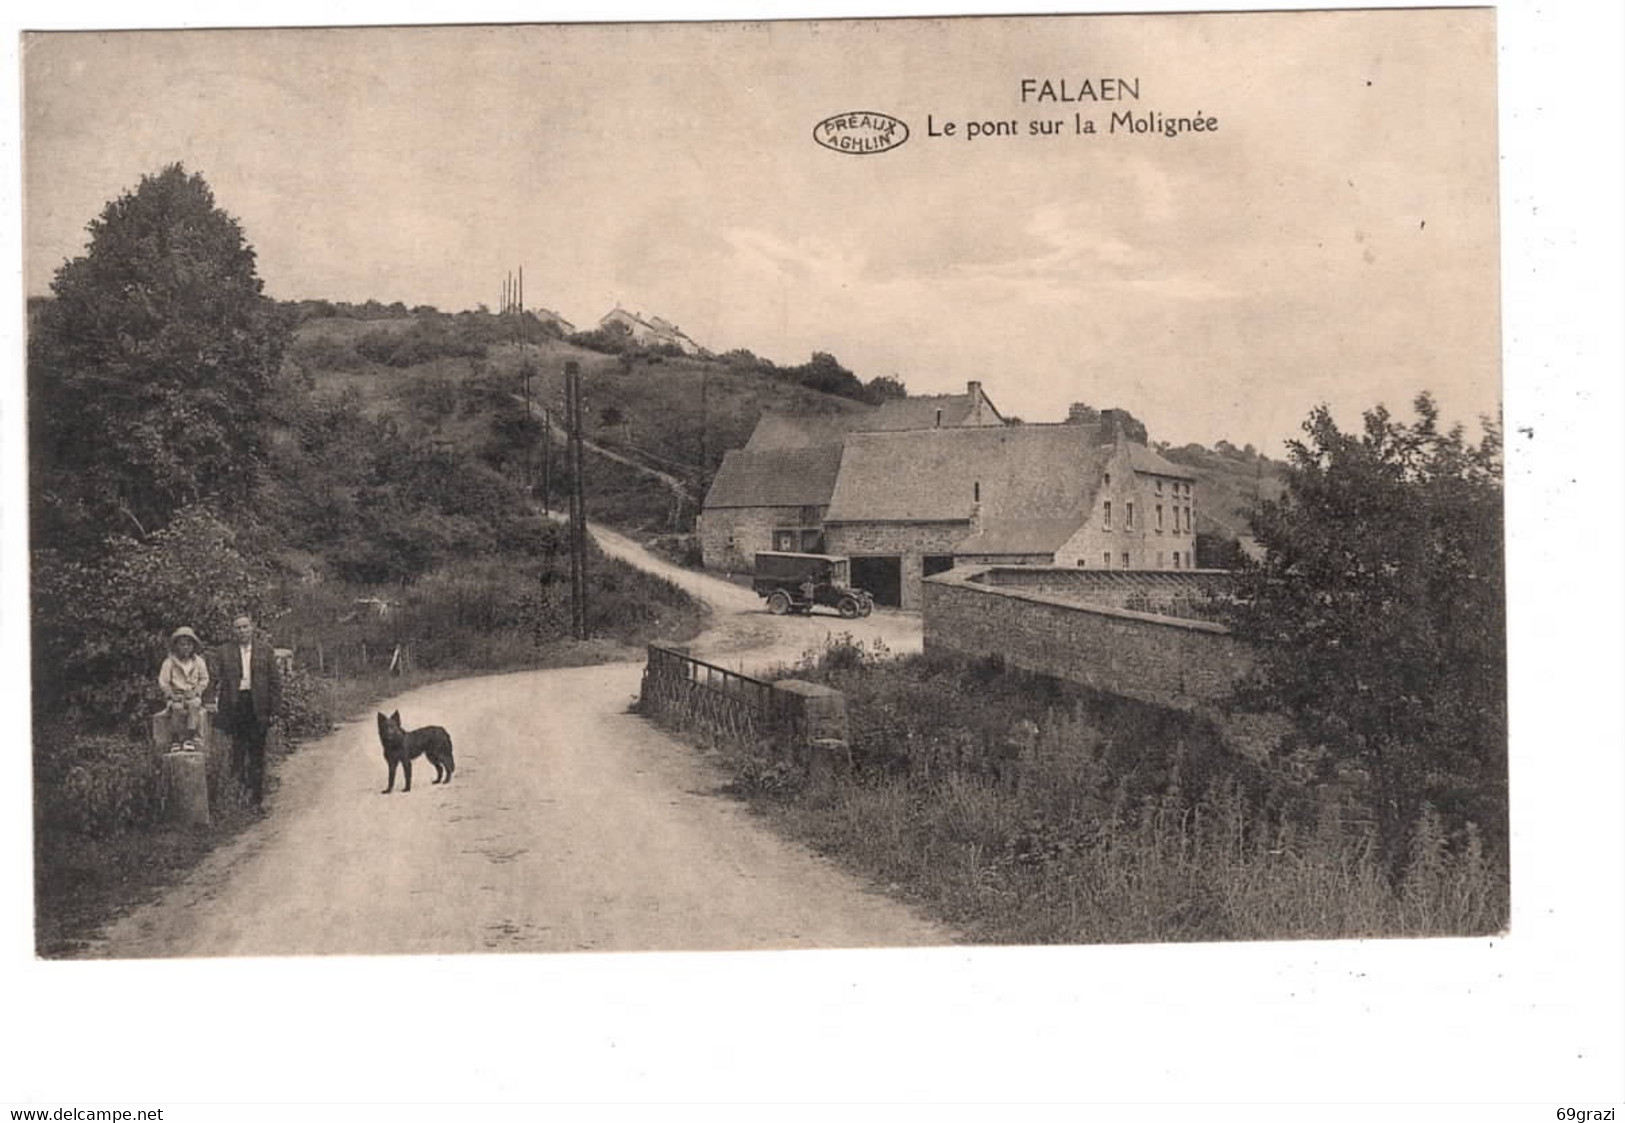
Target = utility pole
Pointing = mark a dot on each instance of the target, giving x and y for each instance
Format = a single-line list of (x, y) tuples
[(547, 461), (524, 374), (578, 503), (705, 414)]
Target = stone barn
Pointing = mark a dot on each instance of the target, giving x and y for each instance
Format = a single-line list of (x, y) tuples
[(769, 500), (772, 494)]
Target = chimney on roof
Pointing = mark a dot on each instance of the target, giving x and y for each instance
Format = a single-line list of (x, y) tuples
[(1113, 421), (974, 390)]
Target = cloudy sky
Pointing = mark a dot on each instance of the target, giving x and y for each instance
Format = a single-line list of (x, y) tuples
[(1334, 240)]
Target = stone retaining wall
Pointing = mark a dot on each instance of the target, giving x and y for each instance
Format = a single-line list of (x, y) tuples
[(1183, 664)]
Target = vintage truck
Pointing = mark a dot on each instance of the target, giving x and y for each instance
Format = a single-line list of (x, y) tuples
[(798, 582)]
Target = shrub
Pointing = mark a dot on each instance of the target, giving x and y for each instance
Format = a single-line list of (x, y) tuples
[(326, 353), (305, 712), (604, 342), (95, 784), (426, 340)]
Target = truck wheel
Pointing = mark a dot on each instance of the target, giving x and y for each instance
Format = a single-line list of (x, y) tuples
[(868, 606), (849, 608), (778, 603)]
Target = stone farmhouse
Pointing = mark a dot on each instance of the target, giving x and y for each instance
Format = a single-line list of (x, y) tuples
[(919, 498), (650, 331), (772, 494)]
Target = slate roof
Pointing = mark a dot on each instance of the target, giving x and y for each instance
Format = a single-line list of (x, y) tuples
[(1028, 475), (800, 477), (921, 413), (1148, 461), (777, 430)]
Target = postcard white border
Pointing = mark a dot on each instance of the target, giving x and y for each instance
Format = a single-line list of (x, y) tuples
[(1533, 1017)]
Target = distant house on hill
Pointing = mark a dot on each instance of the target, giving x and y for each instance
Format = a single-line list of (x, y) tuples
[(548, 316), (650, 331)]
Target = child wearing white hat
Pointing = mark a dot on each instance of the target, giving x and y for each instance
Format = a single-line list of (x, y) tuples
[(183, 678)]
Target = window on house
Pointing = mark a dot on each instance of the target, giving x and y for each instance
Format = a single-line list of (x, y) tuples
[(976, 491), (1176, 559), (1159, 518), (1108, 523), (1080, 563), (1159, 487), (1128, 517), (1108, 479), (1106, 559), (1187, 520), (1125, 559)]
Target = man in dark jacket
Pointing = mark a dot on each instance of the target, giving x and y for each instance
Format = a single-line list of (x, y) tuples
[(250, 692)]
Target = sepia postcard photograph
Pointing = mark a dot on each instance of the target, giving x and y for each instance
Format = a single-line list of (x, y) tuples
[(537, 489)]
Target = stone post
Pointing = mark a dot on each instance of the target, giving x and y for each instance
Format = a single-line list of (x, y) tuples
[(184, 775), (815, 716)]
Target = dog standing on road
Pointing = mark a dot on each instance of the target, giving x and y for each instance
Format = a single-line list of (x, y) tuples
[(401, 747)]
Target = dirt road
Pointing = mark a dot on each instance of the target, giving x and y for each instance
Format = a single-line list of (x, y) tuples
[(571, 825)]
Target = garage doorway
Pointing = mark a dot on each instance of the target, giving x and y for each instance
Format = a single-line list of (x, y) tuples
[(938, 563), (881, 577)]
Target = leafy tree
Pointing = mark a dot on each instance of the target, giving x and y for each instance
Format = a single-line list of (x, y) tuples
[(744, 360), (824, 372), (1378, 612), (884, 388), (148, 369), (1133, 428), (102, 625)]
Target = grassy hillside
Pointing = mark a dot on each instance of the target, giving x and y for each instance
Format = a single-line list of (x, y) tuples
[(459, 382), (1232, 480)]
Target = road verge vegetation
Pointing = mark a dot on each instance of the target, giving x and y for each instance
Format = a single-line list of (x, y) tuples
[(1019, 809)]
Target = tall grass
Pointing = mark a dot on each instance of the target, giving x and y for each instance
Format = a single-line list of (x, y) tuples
[(1100, 823)]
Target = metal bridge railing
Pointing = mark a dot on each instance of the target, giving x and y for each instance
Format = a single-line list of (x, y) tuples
[(723, 702)]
